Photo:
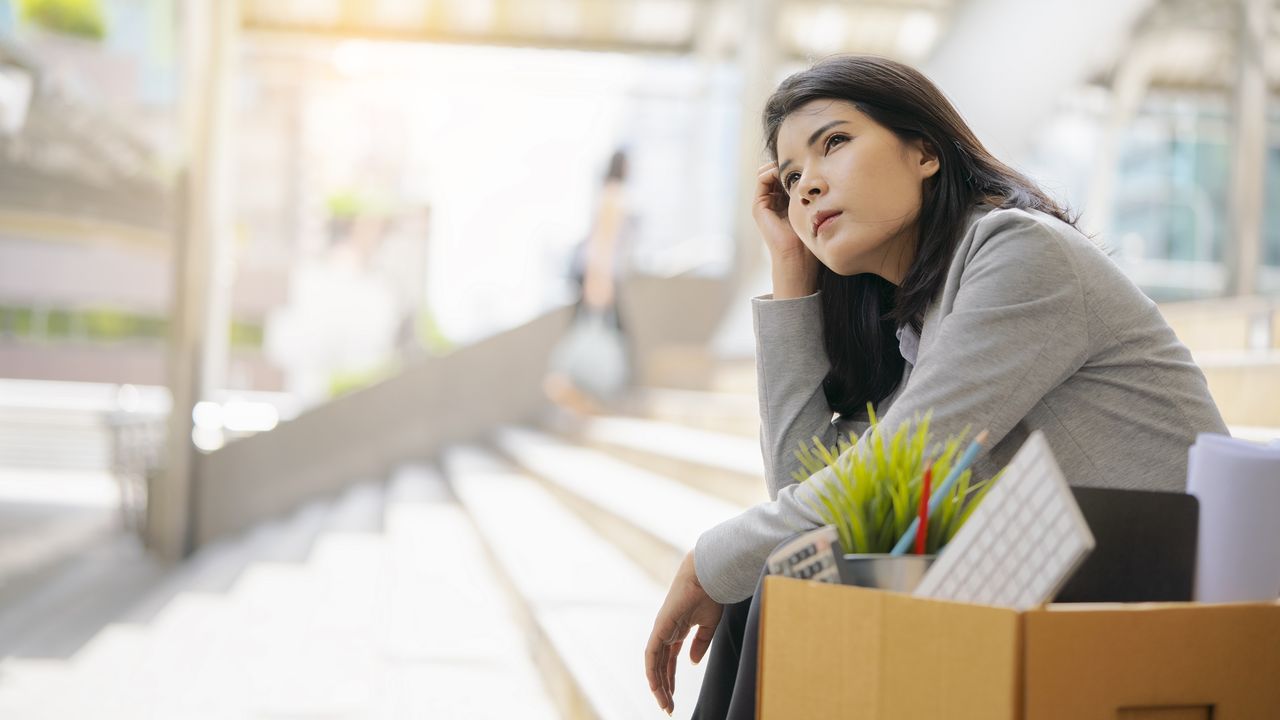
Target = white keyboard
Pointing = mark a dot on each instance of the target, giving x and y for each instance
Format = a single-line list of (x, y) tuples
[(1021, 544)]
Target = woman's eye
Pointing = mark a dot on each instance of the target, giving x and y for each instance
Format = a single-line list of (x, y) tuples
[(834, 138), (790, 180)]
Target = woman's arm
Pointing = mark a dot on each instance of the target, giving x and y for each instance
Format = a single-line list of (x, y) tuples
[(597, 278), (791, 364), (1017, 329)]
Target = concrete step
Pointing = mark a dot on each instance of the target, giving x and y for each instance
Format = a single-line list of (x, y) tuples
[(737, 377), (125, 670), (55, 618), (216, 568), (722, 465), (1245, 385), (452, 648), (735, 414), (1226, 324), (650, 516), (41, 542), (258, 587), (391, 613), (268, 644), (587, 607), (138, 656)]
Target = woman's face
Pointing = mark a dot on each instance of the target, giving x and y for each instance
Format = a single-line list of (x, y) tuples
[(854, 188)]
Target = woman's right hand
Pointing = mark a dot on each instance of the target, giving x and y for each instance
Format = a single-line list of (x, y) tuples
[(795, 269)]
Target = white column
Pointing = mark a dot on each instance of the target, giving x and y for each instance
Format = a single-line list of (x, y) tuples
[(1248, 148), (1131, 79), (199, 316), (758, 60)]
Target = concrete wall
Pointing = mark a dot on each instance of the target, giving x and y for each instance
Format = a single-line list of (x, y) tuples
[(670, 323), (456, 398), (451, 399)]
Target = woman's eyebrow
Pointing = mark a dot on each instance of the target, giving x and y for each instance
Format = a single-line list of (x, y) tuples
[(814, 138)]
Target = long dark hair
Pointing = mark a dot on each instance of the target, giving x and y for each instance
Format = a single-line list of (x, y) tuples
[(861, 313)]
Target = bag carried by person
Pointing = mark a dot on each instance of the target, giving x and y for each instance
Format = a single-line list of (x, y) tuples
[(593, 354)]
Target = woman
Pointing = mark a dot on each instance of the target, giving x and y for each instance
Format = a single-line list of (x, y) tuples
[(914, 271)]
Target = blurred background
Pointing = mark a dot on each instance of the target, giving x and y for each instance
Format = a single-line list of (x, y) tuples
[(280, 282)]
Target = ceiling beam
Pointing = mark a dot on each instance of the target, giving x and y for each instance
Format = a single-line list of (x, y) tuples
[(547, 42)]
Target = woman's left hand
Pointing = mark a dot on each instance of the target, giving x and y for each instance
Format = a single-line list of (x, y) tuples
[(687, 604)]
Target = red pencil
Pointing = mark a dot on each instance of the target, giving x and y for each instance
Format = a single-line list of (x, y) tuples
[(923, 532)]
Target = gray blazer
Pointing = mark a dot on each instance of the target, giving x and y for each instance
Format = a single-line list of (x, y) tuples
[(1035, 329)]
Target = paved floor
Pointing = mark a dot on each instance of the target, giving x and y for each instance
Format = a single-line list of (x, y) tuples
[(48, 516)]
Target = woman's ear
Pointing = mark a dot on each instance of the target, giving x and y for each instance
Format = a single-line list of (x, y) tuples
[(928, 153)]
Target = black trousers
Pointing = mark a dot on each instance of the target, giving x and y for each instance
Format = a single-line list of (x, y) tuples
[(729, 681)]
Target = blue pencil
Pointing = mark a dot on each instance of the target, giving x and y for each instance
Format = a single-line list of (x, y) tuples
[(970, 454)]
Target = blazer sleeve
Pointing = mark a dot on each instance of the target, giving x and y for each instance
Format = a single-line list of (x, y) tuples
[(1017, 329), (791, 364)]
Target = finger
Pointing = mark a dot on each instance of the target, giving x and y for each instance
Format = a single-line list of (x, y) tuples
[(655, 661), (765, 183), (768, 180), (670, 669), (660, 694), (701, 641), (768, 167), (652, 664), (665, 686), (651, 652), (671, 672), (768, 188)]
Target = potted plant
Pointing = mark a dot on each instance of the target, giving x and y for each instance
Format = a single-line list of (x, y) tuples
[(874, 496)]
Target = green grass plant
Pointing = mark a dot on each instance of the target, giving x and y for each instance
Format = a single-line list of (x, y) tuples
[(875, 493)]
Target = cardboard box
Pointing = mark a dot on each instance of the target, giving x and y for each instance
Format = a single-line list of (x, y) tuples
[(835, 651)]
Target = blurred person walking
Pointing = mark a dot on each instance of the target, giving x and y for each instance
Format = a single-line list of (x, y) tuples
[(590, 367)]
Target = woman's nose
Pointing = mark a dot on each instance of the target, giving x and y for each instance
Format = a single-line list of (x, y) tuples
[(811, 190)]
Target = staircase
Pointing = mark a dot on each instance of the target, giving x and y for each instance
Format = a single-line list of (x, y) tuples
[(518, 577)]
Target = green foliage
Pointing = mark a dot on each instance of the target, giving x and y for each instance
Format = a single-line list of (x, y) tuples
[(58, 323), (108, 325), (346, 204), (15, 320), (874, 495), (246, 335), (103, 324), (82, 18)]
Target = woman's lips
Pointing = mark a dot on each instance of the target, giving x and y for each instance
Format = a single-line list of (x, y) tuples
[(825, 222)]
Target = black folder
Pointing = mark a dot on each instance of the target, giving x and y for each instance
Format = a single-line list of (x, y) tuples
[(1146, 547)]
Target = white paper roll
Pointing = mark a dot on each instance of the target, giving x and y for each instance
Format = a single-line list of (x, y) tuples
[(1238, 485)]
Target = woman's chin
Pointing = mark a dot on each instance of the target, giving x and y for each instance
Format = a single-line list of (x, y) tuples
[(845, 268), (843, 257)]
